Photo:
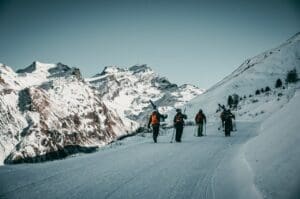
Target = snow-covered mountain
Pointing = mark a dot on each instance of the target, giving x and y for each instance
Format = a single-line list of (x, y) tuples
[(48, 111), (128, 90), (254, 74)]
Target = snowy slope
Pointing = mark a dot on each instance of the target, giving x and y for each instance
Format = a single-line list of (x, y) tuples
[(128, 90), (258, 72), (48, 111)]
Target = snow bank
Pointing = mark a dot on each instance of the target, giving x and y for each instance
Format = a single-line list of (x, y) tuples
[(274, 153)]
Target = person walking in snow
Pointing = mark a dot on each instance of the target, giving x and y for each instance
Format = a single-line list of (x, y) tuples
[(179, 124), (154, 120), (226, 117), (200, 120)]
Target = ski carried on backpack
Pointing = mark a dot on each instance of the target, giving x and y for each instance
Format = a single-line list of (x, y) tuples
[(152, 104), (157, 117)]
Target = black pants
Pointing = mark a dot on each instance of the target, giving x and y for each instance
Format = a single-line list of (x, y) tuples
[(228, 127), (200, 129), (155, 132), (179, 130)]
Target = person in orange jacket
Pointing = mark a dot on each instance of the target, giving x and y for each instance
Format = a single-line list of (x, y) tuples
[(200, 120), (154, 120)]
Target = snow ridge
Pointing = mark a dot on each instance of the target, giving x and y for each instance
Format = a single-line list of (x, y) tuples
[(254, 74)]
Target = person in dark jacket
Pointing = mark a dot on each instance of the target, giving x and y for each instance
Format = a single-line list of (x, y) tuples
[(200, 119), (226, 118), (179, 124), (154, 120)]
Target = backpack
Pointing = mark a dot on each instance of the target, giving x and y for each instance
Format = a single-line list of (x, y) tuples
[(179, 119), (227, 116), (199, 118), (154, 119)]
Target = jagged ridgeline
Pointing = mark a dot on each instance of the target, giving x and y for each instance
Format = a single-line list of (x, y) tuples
[(128, 90)]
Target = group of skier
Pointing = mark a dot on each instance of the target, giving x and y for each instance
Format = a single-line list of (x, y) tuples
[(178, 122)]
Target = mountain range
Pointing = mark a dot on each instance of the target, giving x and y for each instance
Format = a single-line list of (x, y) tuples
[(49, 111)]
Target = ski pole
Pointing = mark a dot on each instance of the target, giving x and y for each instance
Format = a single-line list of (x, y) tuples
[(172, 135), (235, 126)]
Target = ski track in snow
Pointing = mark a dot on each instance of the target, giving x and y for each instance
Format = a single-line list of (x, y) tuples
[(191, 169)]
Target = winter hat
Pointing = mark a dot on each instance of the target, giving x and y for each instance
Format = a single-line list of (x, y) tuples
[(178, 110)]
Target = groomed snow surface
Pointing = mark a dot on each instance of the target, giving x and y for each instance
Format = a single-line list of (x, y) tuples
[(140, 169), (260, 160)]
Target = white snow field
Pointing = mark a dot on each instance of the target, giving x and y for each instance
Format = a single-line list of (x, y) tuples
[(192, 169)]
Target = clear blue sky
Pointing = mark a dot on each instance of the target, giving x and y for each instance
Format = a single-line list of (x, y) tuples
[(187, 41)]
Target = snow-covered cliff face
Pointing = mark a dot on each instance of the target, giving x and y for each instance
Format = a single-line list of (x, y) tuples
[(48, 111), (254, 74), (128, 91)]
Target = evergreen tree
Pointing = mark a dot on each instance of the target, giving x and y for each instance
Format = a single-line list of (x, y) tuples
[(229, 101), (292, 76), (257, 92), (235, 100), (267, 89), (278, 83)]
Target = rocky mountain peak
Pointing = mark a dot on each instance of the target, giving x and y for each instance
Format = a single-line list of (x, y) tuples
[(36, 66), (140, 68), (111, 70), (32, 67)]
